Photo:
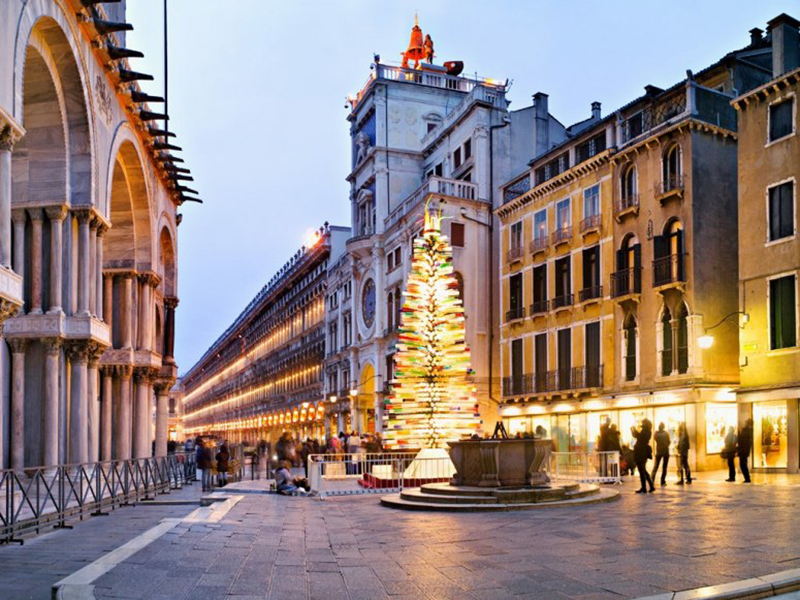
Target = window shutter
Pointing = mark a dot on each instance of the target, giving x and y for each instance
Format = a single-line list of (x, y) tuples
[(786, 209), (679, 252), (788, 310), (457, 235), (637, 273), (622, 255), (660, 247)]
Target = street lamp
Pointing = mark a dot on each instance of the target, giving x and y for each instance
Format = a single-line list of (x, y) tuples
[(706, 340), (333, 398)]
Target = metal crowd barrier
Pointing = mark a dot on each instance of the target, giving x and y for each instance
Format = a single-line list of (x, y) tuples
[(47, 496), (586, 467), (367, 473)]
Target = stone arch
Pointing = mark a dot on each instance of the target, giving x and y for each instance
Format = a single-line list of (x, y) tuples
[(167, 263)]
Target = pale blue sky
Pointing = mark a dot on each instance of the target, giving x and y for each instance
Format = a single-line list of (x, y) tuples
[(257, 90)]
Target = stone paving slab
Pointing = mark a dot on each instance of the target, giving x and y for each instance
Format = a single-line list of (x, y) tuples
[(270, 546)]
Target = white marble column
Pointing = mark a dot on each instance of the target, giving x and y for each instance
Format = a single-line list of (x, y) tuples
[(141, 435), (78, 443), (145, 312), (126, 302), (162, 401), (36, 260), (93, 396), (123, 413), (56, 215), (17, 448), (19, 216), (51, 404), (108, 298), (7, 140), (92, 260), (105, 412), (98, 272), (84, 220)]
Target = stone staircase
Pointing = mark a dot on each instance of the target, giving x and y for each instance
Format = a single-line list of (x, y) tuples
[(449, 498)]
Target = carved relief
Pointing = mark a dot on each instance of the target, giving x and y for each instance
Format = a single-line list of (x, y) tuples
[(103, 99), (362, 144)]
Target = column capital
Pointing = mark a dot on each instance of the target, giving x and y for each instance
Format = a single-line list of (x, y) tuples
[(150, 278), (163, 386), (83, 214), (18, 215), (7, 310), (78, 351), (56, 213), (10, 133), (18, 345), (95, 351), (102, 228), (108, 370), (124, 371), (53, 345), (142, 375), (171, 302), (36, 214)]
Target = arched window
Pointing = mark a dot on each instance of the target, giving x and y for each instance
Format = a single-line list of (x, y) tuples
[(629, 328), (682, 338), (671, 169), (629, 185), (627, 278), (666, 343), (390, 311), (668, 254)]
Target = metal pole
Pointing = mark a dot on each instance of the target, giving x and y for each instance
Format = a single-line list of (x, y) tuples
[(166, 67)]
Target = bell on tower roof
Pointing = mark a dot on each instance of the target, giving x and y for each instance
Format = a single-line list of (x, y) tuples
[(416, 47)]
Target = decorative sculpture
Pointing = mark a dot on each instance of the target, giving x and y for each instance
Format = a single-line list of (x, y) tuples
[(362, 146), (428, 49)]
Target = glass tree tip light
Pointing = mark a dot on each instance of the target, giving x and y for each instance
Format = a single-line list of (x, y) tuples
[(432, 399)]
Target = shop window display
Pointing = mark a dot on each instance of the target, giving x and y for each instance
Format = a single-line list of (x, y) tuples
[(718, 418), (519, 425), (594, 420), (769, 435), (671, 417), (629, 419)]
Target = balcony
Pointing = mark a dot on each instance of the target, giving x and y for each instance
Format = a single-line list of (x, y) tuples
[(591, 224), (559, 380), (591, 293), (629, 205), (626, 283), (514, 254), (562, 235), (451, 188), (538, 308), (538, 244), (517, 385), (668, 271), (563, 301), (515, 314), (670, 187)]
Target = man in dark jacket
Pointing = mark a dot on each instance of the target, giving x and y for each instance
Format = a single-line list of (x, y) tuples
[(743, 449), (204, 464), (222, 457), (642, 453), (683, 453), (729, 454), (662, 453)]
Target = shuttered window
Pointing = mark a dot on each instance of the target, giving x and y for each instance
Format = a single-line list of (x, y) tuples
[(783, 312), (780, 119), (781, 211)]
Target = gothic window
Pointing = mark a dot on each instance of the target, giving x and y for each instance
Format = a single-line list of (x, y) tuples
[(629, 333), (666, 343)]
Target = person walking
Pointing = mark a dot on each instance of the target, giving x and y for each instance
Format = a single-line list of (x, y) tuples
[(744, 446), (683, 454), (223, 456), (662, 453), (204, 464), (642, 452), (729, 454)]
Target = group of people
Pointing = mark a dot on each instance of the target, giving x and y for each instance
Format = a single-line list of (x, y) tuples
[(738, 445), (207, 459)]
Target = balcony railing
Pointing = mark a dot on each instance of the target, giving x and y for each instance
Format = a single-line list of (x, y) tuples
[(629, 203), (514, 254), (669, 185), (563, 300), (538, 244), (591, 223), (667, 270), (540, 307), (454, 188), (515, 314), (570, 378), (562, 235), (590, 293), (517, 385), (626, 281)]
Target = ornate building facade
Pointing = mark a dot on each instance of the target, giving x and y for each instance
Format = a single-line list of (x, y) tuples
[(88, 241), (618, 250), (264, 374), (769, 253), (422, 135)]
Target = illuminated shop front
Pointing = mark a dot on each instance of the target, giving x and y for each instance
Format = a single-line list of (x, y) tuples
[(575, 426), (775, 428)]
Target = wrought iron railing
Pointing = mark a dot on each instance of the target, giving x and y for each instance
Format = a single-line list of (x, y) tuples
[(591, 223), (590, 293), (563, 234), (626, 203), (670, 183), (539, 307), (514, 253), (668, 269), (48, 496), (626, 281), (563, 300), (539, 244), (570, 378), (515, 313)]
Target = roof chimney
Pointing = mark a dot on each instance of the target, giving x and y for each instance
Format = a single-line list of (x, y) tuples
[(541, 124), (756, 35), (596, 111), (785, 44)]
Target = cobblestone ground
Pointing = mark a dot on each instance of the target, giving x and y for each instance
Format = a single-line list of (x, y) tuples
[(270, 546)]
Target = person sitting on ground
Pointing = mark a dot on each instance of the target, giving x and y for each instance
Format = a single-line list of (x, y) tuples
[(288, 485)]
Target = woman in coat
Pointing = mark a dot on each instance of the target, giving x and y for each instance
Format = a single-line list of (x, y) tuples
[(222, 465), (641, 453), (204, 464), (683, 454)]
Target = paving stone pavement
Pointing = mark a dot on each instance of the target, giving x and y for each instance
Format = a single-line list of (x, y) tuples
[(271, 546)]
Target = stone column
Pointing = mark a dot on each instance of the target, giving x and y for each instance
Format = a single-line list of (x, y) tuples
[(19, 217), (17, 448), (56, 214), (145, 312), (36, 260), (126, 307), (84, 221), (78, 443), (51, 403), (92, 261), (123, 413), (108, 298), (170, 304), (162, 402), (92, 393), (98, 272), (8, 137), (141, 435), (105, 412)]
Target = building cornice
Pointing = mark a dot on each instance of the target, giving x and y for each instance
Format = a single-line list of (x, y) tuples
[(767, 90)]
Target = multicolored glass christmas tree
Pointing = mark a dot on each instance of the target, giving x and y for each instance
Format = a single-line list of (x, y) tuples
[(432, 399)]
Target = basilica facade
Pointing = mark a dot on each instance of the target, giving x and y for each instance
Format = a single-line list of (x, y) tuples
[(88, 240)]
